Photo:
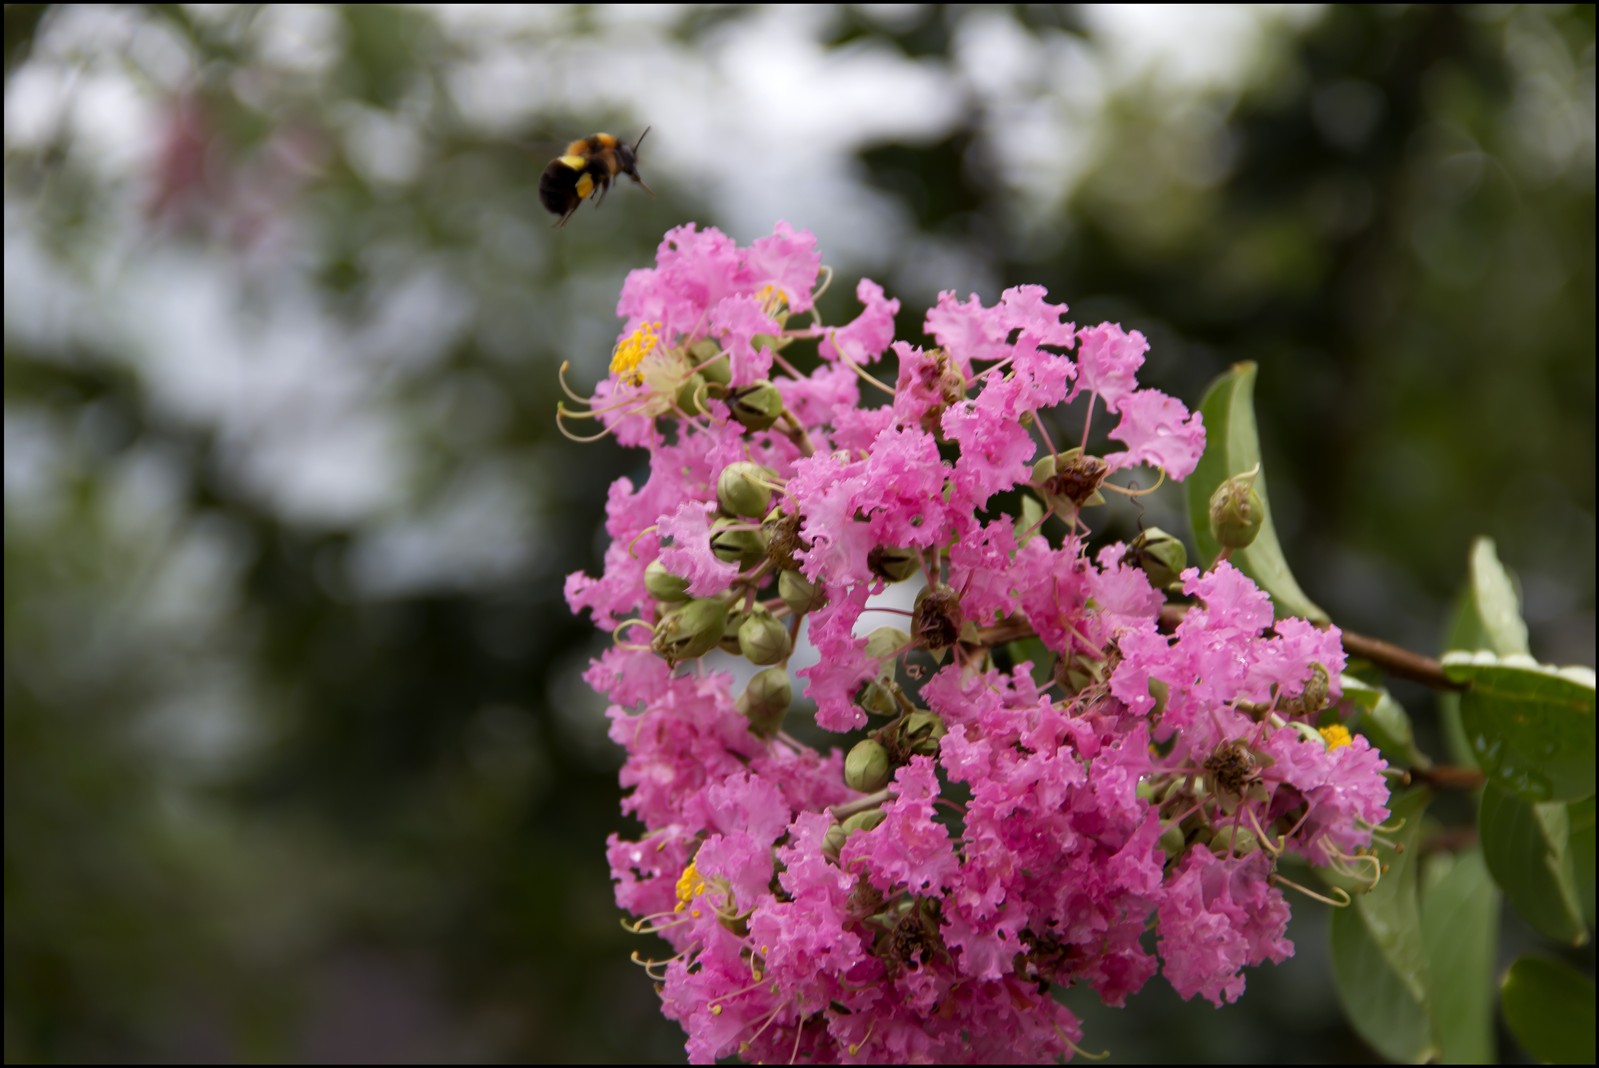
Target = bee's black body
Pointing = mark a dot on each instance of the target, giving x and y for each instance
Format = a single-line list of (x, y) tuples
[(586, 166)]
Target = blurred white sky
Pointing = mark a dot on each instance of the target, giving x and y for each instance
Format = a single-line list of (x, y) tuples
[(300, 402), (311, 433)]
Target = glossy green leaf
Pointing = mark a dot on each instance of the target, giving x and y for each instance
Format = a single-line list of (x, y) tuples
[(1487, 615), (1493, 594), (1550, 1009), (1384, 721), (1460, 929), (1359, 693), (1581, 815), (1528, 851), (1465, 632), (1379, 956), (1232, 447), (1530, 726)]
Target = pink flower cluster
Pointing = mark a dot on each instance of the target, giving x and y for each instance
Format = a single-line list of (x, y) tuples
[(1003, 825)]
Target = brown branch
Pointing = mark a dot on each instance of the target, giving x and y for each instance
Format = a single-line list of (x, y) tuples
[(1451, 840), (1401, 662), (1448, 777), (1014, 628)]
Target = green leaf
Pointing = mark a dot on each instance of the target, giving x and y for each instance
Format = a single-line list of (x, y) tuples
[(1378, 954), (1581, 815), (1033, 651), (1460, 929), (1493, 594), (1384, 721), (1531, 727), (1360, 693), (1528, 851), (1487, 615), (1550, 1009), (1232, 448), (1465, 632)]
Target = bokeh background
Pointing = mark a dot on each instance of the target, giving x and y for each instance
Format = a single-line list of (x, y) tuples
[(297, 761)]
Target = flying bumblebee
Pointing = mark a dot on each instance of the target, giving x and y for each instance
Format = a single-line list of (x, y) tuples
[(587, 165)]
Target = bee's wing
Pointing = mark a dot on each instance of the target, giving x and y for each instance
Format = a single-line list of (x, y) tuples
[(540, 145)]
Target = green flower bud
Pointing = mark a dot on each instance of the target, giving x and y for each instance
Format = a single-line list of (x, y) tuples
[(1233, 840), (867, 767), (762, 639), (876, 697), (736, 542), (729, 642), (864, 821), (1173, 842), (756, 406), (663, 585), (892, 565), (799, 593), (1160, 556), (833, 840), (885, 642), (771, 687), (691, 631), (743, 489), (1179, 792), (1145, 790), (1236, 511), (689, 394), (921, 731), (1070, 480), (765, 701), (1197, 829), (719, 371), (769, 341)]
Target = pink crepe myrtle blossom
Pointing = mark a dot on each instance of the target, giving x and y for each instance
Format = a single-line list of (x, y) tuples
[(1061, 767)]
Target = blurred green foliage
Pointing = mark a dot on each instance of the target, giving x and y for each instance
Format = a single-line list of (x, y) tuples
[(298, 762)]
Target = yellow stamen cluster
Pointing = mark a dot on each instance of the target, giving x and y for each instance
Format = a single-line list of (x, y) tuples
[(689, 887), (772, 299), (1336, 736), (631, 352)]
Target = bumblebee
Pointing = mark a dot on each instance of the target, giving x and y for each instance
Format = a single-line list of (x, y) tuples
[(587, 165)]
